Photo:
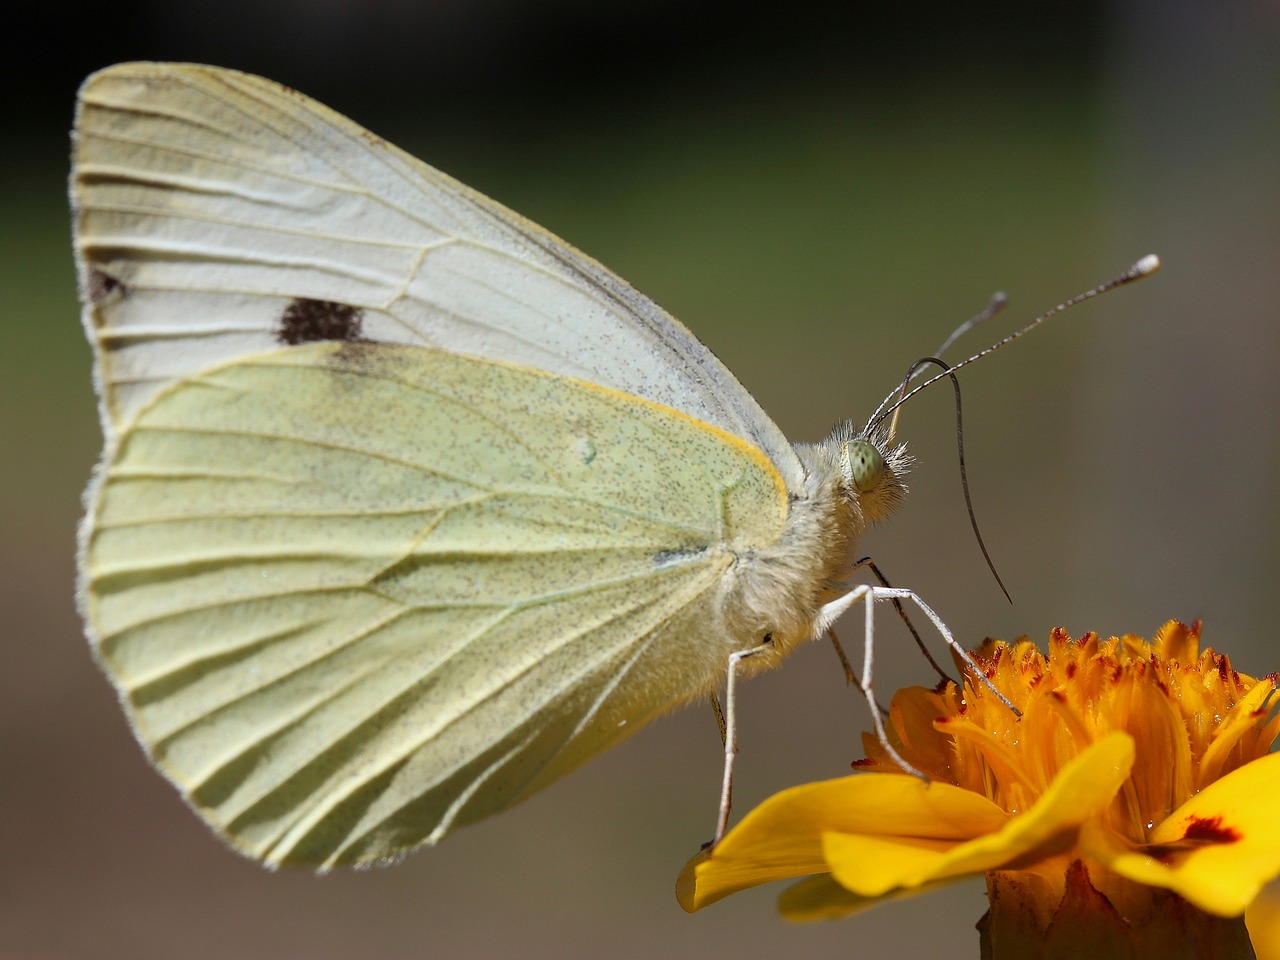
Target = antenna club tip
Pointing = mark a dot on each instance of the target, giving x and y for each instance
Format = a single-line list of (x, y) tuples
[(1146, 266)]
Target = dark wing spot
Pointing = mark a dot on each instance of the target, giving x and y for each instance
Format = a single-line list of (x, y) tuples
[(309, 321), (103, 285)]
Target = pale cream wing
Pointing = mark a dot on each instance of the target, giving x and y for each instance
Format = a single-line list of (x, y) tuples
[(356, 595), (207, 201)]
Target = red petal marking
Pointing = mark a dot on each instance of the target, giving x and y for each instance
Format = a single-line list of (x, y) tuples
[(1200, 832), (1206, 830)]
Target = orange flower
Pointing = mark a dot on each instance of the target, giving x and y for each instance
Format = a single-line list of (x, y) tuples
[(1136, 786)]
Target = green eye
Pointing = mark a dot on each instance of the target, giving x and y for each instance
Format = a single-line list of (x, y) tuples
[(866, 466)]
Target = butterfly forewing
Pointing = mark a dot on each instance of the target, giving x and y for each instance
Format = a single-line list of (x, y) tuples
[(207, 202)]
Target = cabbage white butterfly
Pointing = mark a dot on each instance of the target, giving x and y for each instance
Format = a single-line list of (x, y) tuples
[(406, 507)]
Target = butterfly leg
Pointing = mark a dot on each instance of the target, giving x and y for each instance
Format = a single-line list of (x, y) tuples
[(729, 732), (869, 596), (719, 712), (850, 677), (902, 613)]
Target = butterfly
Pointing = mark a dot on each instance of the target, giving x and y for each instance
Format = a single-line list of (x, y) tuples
[(406, 507)]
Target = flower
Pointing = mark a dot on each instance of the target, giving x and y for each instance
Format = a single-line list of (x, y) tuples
[(1135, 789)]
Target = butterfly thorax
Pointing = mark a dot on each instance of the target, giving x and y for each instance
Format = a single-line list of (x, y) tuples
[(777, 590)]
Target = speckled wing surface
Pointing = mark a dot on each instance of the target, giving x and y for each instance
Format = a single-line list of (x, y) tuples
[(207, 200), (406, 508)]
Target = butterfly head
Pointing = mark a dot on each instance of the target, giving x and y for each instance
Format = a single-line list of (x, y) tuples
[(873, 473), (870, 470)]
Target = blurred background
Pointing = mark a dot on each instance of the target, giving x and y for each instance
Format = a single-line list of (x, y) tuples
[(821, 194)]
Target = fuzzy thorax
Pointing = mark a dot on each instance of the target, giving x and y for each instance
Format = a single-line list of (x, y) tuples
[(850, 482)]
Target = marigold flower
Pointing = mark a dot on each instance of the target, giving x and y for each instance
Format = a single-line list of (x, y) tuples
[(1131, 810)]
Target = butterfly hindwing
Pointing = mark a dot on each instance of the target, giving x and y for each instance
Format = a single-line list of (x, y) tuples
[(355, 595)]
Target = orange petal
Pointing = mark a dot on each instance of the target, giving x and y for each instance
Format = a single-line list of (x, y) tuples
[(1239, 721)]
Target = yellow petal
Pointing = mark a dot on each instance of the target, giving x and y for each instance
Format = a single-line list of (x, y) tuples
[(1263, 919), (782, 838), (1217, 850), (821, 898), (871, 866)]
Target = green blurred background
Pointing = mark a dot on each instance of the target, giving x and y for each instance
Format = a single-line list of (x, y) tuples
[(821, 195)]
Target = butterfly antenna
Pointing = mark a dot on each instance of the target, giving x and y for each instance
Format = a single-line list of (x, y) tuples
[(994, 306), (1143, 268), (894, 401), (968, 499), (949, 372)]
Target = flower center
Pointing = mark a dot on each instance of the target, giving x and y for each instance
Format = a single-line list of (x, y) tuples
[(1192, 717)]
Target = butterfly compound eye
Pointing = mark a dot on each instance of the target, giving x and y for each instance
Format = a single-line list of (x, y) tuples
[(864, 466)]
